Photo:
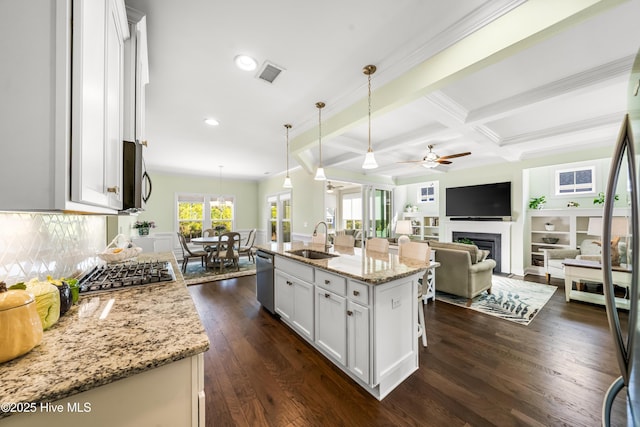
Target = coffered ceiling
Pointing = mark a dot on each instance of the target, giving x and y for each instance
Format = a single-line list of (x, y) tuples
[(538, 92)]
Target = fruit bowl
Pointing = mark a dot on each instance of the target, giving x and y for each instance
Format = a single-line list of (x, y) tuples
[(550, 240)]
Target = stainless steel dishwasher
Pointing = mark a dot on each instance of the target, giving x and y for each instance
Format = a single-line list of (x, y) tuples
[(264, 280)]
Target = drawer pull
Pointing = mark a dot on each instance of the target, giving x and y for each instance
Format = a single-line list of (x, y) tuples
[(356, 293), (113, 189), (327, 282), (327, 295), (289, 283)]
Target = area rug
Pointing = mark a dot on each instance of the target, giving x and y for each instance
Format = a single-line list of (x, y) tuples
[(510, 299), (197, 274)]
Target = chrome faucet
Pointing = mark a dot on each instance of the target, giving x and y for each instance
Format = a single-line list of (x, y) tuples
[(326, 234)]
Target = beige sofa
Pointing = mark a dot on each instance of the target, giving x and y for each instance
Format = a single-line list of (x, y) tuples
[(463, 270)]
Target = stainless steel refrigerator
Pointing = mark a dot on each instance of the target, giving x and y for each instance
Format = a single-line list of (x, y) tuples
[(624, 175)]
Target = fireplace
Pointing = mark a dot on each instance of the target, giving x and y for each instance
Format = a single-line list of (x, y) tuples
[(488, 241), (483, 230)]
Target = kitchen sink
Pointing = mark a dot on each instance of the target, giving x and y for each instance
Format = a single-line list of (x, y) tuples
[(309, 254)]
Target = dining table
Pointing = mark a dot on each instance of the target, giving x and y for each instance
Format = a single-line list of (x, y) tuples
[(209, 241)]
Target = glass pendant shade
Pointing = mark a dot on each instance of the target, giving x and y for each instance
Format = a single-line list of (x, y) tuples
[(369, 161), (287, 182), (320, 174)]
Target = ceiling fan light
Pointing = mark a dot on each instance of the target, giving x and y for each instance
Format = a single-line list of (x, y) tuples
[(369, 161), (320, 176), (430, 164), (287, 182)]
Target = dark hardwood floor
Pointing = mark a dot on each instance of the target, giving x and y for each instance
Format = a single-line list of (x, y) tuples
[(477, 370)]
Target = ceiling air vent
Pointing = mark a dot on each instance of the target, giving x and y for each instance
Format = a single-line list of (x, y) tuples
[(269, 72)]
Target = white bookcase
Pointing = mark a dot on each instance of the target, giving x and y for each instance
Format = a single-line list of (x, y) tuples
[(569, 227), (424, 227)]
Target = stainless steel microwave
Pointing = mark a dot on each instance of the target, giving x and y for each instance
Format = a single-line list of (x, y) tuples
[(136, 183)]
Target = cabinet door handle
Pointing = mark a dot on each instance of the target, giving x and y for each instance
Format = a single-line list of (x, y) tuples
[(289, 283), (349, 313), (327, 295), (356, 293), (115, 189), (327, 282)]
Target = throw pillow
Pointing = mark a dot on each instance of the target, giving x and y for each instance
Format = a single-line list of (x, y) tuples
[(482, 254)]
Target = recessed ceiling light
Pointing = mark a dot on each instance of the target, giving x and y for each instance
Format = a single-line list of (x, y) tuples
[(245, 62), (211, 122)]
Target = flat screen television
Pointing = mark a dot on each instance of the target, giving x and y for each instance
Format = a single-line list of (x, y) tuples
[(477, 201)]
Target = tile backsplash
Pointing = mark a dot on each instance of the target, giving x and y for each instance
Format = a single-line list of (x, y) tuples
[(60, 245)]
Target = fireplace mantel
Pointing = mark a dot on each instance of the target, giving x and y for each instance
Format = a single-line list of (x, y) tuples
[(497, 227)]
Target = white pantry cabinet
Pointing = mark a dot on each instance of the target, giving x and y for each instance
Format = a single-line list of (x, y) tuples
[(63, 122)]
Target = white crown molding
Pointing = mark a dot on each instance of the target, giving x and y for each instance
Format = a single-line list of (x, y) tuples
[(555, 131), (579, 81)]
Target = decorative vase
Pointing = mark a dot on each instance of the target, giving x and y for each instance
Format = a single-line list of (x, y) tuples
[(549, 227), (143, 231)]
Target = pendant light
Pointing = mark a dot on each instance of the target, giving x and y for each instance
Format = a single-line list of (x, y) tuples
[(220, 197), (287, 180), (320, 171), (369, 159)]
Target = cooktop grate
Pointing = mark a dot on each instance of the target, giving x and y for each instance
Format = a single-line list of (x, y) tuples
[(126, 275)]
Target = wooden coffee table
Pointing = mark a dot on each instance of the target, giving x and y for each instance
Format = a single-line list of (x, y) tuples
[(576, 270)]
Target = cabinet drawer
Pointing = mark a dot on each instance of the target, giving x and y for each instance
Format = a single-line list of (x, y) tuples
[(294, 268), (358, 292), (332, 282)]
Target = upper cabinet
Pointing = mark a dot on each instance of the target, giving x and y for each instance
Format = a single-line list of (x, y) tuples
[(136, 77), (64, 102)]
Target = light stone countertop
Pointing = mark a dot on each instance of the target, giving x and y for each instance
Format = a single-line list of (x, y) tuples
[(370, 267), (148, 326)]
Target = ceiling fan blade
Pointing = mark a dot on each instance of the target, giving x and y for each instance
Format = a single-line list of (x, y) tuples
[(443, 162), (453, 156)]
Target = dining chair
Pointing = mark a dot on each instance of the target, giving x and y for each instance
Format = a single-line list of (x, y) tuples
[(344, 240), (227, 249), (188, 253), (247, 247), (209, 232), (377, 244), (419, 252)]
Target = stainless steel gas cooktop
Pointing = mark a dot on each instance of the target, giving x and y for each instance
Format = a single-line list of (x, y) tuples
[(122, 276)]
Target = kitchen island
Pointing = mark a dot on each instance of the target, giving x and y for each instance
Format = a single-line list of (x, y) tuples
[(130, 357), (358, 308)]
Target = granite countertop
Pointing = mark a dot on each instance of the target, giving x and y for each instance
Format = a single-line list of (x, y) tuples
[(370, 267), (148, 326)]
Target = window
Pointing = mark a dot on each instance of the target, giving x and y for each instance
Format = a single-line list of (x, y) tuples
[(575, 181), (280, 217), (198, 212), (427, 193), (352, 211)]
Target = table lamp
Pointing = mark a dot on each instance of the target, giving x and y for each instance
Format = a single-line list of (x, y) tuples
[(403, 227)]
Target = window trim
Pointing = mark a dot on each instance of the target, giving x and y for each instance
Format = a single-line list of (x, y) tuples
[(574, 193), (205, 199)]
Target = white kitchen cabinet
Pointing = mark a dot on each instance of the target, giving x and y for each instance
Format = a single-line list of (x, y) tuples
[(136, 77), (331, 324), (170, 395), (65, 124), (294, 302), (358, 341), (366, 330)]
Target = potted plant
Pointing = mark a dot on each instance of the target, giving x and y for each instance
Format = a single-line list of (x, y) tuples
[(600, 199), (144, 226), (537, 202)]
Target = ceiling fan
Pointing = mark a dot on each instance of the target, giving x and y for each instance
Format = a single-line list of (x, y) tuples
[(331, 187), (431, 160)]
